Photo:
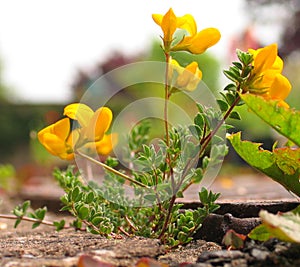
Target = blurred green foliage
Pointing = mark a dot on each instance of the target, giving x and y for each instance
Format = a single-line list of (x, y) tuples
[(17, 121), (3, 87), (7, 173)]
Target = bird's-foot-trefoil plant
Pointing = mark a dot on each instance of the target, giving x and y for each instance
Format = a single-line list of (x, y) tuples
[(178, 160), (267, 89)]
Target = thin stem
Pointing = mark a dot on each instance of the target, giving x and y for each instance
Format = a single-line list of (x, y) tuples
[(167, 55), (124, 232), (155, 190), (28, 219), (208, 138), (166, 222), (126, 177), (130, 223), (167, 96), (168, 157)]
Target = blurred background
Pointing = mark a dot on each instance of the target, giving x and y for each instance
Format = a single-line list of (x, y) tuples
[(51, 52)]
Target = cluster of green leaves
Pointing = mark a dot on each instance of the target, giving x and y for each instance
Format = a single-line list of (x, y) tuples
[(22, 211), (87, 204), (238, 74), (93, 211), (166, 171), (241, 70), (209, 130)]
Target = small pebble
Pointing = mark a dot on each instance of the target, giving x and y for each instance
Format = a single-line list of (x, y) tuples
[(259, 254), (220, 254), (3, 226)]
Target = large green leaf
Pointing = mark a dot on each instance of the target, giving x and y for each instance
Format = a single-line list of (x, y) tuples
[(283, 120), (284, 226), (282, 165)]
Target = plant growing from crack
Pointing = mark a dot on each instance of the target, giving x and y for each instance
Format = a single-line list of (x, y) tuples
[(181, 158)]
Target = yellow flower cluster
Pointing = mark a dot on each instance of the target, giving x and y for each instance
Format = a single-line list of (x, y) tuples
[(195, 42), (188, 77), (266, 78), (60, 140)]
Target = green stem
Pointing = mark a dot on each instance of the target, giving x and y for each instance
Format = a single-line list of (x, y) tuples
[(167, 55), (28, 219), (168, 158), (103, 165), (167, 96)]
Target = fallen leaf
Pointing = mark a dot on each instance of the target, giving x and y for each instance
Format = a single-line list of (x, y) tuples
[(90, 261)]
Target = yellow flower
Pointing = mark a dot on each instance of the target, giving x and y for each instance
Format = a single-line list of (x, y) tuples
[(61, 141), (279, 90), (198, 43), (266, 78), (105, 146), (58, 140), (188, 77), (168, 24), (195, 42), (94, 124)]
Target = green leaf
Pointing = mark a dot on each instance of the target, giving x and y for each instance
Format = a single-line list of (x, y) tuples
[(40, 213), (198, 175), (235, 115), (238, 65), (203, 195), (75, 194), (97, 220), (25, 205), (276, 165), (196, 131), (179, 194), (260, 233), (230, 98), (111, 162), (229, 87), (150, 197), (18, 213), (223, 105), (283, 120), (231, 75), (17, 223), (200, 107), (185, 229), (59, 225), (284, 226), (35, 225), (199, 120), (245, 57), (287, 159), (83, 212), (90, 197)]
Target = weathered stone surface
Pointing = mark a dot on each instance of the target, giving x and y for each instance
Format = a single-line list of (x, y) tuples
[(64, 248)]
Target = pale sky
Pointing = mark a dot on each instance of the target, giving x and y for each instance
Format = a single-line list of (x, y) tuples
[(44, 43)]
